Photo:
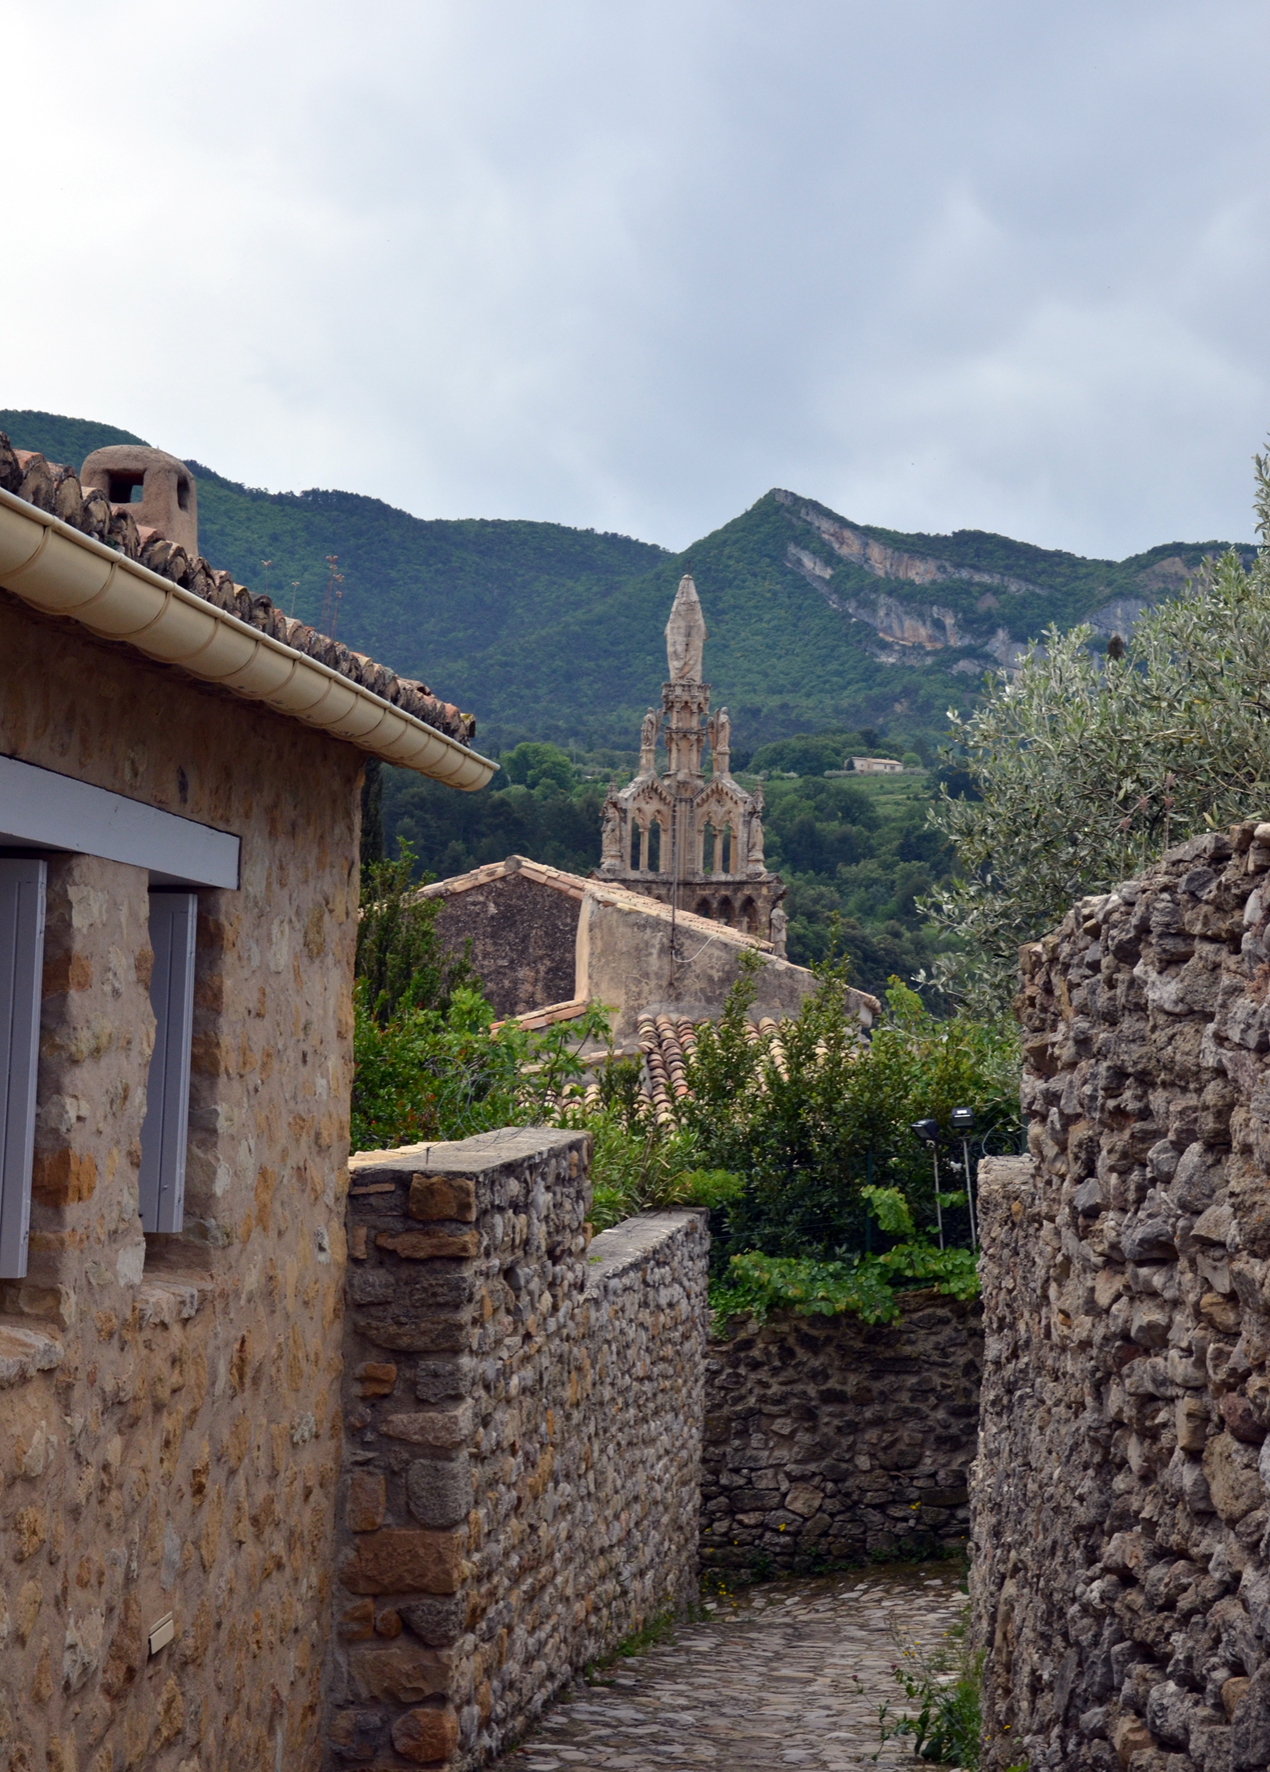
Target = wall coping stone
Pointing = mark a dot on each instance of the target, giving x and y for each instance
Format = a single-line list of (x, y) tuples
[(625, 1246), (480, 1154)]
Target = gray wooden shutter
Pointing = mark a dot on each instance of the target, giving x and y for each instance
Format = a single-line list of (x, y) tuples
[(173, 916), (22, 885)]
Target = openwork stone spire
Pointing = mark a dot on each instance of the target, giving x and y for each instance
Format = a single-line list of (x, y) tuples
[(684, 837)]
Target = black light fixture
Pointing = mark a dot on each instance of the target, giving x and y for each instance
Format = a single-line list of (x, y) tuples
[(963, 1121), (928, 1132)]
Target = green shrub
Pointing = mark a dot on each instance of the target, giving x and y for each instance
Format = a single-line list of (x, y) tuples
[(943, 1685), (815, 1116)]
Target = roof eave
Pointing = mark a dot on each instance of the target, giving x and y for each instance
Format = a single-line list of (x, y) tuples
[(62, 572)]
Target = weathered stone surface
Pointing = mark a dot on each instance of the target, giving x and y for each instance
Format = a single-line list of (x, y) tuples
[(403, 1671), (542, 1499), (439, 1491), (429, 1245), (442, 1196), (397, 1560), (426, 1737), (1122, 1561), (169, 1435), (827, 1438)]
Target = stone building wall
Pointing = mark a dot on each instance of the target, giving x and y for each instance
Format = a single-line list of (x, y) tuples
[(827, 1437), (521, 929), (167, 1442), (523, 1417), (1122, 1551)]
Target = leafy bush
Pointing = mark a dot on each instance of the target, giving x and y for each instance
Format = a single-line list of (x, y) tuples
[(424, 1074), (808, 754), (1089, 766), (815, 1116), (400, 961)]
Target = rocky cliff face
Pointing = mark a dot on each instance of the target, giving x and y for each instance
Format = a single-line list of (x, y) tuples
[(987, 615)]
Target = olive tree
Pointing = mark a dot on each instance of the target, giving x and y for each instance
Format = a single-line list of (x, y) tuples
[(1090, 766)]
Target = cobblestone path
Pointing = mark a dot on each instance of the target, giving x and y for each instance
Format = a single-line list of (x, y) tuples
[(789, 1673)]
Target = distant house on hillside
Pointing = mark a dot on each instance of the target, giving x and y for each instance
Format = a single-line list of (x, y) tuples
[(180, 774), (877, 766)]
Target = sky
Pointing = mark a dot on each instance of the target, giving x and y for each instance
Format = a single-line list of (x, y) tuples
[(628, 264)]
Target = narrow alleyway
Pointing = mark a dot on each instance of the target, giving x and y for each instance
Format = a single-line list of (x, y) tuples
[(789, 1673)]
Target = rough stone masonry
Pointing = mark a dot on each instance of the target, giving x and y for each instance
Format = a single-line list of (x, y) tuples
[(1122, 1550), (828, 1438), (523, 1415)]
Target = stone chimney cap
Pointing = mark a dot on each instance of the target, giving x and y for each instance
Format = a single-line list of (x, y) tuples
[(157, 489)]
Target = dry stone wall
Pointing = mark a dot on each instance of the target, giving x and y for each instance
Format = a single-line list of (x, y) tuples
[(523, 1430), (169, 1430), (1122, 1551), (827, 1438)]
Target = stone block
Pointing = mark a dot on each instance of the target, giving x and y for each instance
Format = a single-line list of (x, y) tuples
[(411, 1335), (437, 1381), (367, 1501), (443, 1196), (398, 1560), (1191, 1420), (1233, 1482), (375, 1378), (446, 1429), (426, 1737), (437, 1620), (430, 1245), (439, 1491), (352, 1734), (1130, 1736), (401, 1670)]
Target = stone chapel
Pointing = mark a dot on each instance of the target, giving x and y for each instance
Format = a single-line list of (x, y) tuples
[(691, 840)]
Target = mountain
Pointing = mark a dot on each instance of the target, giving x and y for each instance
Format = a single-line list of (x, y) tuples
[(545, 631)]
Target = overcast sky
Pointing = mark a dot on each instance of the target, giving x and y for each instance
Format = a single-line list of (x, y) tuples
[(629, 264)]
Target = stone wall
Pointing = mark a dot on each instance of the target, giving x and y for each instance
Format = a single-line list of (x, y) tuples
[(522, 932), (166, 1435), (827, 1437), (1122, 1557), (523, 1418)]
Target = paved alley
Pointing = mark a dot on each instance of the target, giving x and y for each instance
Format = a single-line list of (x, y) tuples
[(788, 1673)]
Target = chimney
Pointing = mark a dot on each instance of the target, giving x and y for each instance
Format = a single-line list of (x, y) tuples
[(157, 489)]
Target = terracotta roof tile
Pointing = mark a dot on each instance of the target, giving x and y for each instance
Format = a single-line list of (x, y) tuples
[(55, 488)]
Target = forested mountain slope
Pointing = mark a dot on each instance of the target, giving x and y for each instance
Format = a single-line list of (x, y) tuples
[(549, 632)]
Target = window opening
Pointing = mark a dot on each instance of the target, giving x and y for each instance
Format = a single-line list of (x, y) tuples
[(707, 848), (654, 846), (22, 897), (126, 486), (183, 494), (725, 912), (165, 1130), (634, 857)]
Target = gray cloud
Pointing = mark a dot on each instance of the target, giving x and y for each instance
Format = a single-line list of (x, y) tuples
[(937, 265)]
